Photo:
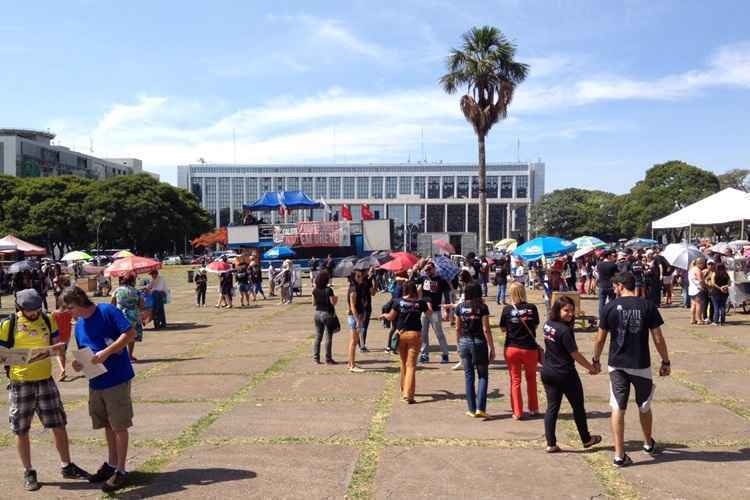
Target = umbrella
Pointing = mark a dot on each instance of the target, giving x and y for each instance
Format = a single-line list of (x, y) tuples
[(720, 247), (219, 267), (367, 262), (401, 262), (138, 265), (582, 252), (445, 267), (382, 256), (738, 244), (589, 241), (444, 246), (640, 243), (279, 253), (345, 267), (544, 246), (508, 244), (680, 255), (21, 266), (76, 255), (123, 253)]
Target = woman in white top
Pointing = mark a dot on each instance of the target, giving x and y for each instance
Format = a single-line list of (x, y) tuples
[(696, 290)]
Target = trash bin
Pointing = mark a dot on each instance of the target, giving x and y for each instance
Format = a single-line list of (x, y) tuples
[(191, 275)]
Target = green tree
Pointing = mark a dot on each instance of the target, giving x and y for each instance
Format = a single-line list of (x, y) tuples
[(574, 212), (666, 188), (738, 178), (485, 65)]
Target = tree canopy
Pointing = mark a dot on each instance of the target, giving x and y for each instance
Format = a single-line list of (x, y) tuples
[(577, 212), (136, 212), (738, 178)]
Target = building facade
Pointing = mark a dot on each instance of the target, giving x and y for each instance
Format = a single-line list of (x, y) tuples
[(418, 197), (30, 153)]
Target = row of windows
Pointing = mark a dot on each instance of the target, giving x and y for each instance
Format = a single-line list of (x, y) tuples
[(353, 169), (376, 187)]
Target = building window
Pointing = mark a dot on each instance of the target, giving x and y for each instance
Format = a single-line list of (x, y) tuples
[(320, 187), (472, 225), (238, 193), (456, 218), (496, 222), (404, 185), (396, 213), (348, 188), (197, 189), (251, 189), (492, 186), (307, 185), (378, 211), (390, 187), (448, 187), (506, 186), (415, 225), (462, 187), (292, 183), (522, 186), (224, 201), (435, 218), (419, 184), (475, 187), (334, 188), (265, 185), (433, 187), (522, 221), (363, 188), (377, 187), (210, 204), (278, 184)]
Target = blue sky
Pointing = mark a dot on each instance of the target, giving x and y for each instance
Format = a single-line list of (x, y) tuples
[(614, 86)]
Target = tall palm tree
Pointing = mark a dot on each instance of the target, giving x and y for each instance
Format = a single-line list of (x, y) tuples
[(486, 66)]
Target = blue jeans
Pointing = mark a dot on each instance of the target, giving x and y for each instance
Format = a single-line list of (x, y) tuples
[(685, 296), (501, 289), (605, 295), (433, 320), (719, 303), (483, 283), (475, 356)]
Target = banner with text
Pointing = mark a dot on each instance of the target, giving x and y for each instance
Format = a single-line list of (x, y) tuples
[(324, 234)]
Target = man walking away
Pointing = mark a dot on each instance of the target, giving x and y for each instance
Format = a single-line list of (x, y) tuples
[(629, 319), (606, 270)]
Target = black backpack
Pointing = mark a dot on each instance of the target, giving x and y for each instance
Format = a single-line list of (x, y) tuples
[(8, 344)]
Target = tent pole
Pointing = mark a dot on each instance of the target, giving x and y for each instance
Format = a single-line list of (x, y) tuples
[(690, 233), (742, 229)]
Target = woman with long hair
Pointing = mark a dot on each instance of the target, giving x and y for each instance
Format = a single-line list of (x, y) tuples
[(519, 320), (559, 374), (718, 291), (130, 302), (475, 346), (696, 290), (324, 300)]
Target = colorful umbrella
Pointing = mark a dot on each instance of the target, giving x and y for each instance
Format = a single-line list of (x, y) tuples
[(444, 246), (219, 267), (75, 256), (281, 252), (544, 246), (508, 244), (680, 255), (640, 243), (122, 254), (589, 241), (138, 265), (445, 267), (582, 252), (401, 262)]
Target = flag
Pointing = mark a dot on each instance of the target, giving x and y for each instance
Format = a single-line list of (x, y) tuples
[(326, 207), (366, 212), (346, 214)]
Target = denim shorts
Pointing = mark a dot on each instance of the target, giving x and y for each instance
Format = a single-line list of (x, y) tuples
[(352, 322), (245, 287)]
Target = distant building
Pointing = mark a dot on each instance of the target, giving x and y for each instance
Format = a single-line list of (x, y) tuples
[(30, 153), (134, 164), (419, 197)]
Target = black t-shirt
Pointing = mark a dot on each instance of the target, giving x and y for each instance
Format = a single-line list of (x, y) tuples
[(314, 265), (322, 299), (501, 275), (607, 271), (559, 342), (409, 313), (516, 334), (433, 289), (623, 266), (227, 281), (471, 320), (628, 321), (243, 277), (363, 302), (286, 277), (637, 269)]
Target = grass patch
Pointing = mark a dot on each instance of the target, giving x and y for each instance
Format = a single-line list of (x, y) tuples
[(730, 404)]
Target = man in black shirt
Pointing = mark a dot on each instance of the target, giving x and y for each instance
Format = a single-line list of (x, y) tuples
[(606, 270), (433, 287), (630, 319)]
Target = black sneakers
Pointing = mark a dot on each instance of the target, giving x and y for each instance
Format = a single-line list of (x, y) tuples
[(72, 471), (114, 483), (622, 462), (652, 449), (105, 472), (29, 481)]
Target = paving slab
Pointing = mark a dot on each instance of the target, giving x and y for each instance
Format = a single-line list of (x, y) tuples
[(271, 348), (255, 471), (717, 361), (731, 385), (226, 365), (338, 384), (597, 388), (322, 419), (482, 473), (188, 387)]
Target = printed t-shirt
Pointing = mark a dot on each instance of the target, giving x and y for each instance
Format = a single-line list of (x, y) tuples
[(97, 332), (629, 321), (516, 334), (471, 320), (559, 343), (606, 271), (243, 277), (30, 335), (433, 289), (409, 314)]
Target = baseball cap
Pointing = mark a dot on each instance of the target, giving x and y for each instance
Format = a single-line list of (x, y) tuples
[(29, 299)]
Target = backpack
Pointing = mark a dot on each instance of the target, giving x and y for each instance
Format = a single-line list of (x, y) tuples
[(8, 344)]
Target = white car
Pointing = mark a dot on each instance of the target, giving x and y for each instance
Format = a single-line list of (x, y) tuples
[(172, 260)]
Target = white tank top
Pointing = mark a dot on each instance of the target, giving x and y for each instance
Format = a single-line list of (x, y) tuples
[(694, 284)]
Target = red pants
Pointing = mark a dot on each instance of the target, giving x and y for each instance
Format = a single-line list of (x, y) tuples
[(517, 360)]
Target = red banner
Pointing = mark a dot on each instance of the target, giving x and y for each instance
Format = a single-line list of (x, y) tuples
[(323, 234)]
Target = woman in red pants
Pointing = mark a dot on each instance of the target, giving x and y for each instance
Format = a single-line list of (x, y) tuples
[(519, 320)]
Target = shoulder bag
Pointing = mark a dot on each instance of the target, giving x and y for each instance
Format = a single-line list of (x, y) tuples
[(531, 334)]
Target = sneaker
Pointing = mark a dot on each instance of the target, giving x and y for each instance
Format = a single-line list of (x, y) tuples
[(470, 414), (364, 349), (331, 362), (72, 471), (622, 462), (388, 350), (105, 472), (356, 369), (458, 366), (29, 481), (114, 483), (480, 414), (653, 449), (424, 359), (445, 359)]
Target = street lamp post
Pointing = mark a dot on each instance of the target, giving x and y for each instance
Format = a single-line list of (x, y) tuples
[(98, 228)]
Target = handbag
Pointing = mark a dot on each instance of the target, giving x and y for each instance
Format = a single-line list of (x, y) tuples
[(394, 341), (531, 334), (334, 325)]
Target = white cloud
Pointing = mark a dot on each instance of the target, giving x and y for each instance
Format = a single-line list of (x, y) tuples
[(127, 114)]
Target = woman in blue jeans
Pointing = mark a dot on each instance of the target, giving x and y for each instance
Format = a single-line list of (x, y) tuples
[(718, 291), (476, 347)]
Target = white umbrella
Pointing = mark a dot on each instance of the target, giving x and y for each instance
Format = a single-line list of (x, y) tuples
[(680, 255), (738, 244), (582, 252), (720, 247)]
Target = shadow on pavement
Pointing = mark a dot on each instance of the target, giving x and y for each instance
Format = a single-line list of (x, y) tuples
[(142, 361), (674, 452), (150, 484), (182, 326)]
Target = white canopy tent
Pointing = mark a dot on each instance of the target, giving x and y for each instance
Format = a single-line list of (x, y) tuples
[(729, 205)]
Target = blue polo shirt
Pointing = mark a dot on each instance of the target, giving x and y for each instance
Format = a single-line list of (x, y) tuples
[(99, 331)]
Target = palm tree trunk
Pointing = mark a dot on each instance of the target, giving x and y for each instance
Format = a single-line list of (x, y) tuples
[(482, 197)]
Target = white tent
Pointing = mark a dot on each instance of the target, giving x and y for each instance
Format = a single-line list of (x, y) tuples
[(729, 205)]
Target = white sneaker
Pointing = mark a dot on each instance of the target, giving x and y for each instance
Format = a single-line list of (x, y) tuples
[(458, 366)]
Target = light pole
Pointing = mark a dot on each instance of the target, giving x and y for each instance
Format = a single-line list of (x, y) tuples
[(98, 228)]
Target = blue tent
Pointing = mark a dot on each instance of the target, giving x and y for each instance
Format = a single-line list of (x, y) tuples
[(272, 200), (279, 253), (544, 246)]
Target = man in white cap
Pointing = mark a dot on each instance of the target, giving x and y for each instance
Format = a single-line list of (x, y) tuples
[(32, 388)]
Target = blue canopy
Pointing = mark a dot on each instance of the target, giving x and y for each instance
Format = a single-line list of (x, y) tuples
[(272, 200), (544, 246), (279, 253)]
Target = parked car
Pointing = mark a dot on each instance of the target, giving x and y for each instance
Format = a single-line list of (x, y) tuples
[(172, 260)]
